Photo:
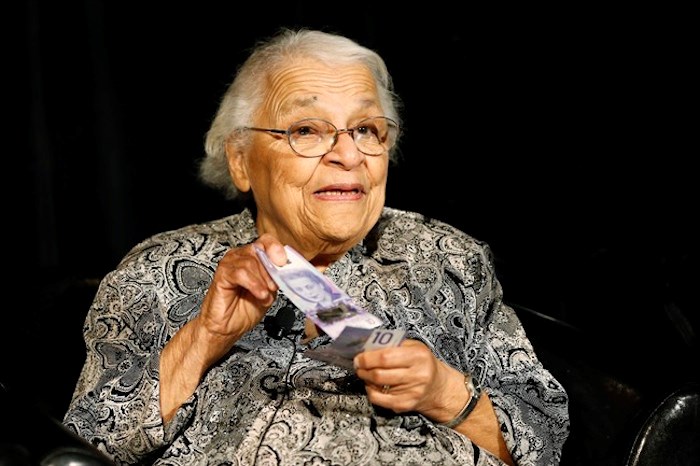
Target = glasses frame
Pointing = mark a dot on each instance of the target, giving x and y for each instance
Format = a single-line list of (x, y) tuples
[(338, 132)]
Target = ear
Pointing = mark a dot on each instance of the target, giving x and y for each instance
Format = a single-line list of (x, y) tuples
[(237, 167)]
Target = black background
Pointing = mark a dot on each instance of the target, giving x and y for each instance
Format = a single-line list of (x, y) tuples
[(565, 138)]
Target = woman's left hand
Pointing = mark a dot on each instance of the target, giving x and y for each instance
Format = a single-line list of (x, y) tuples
[(410, 378)]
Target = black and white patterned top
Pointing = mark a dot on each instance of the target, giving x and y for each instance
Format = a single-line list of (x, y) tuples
[(266, 402)]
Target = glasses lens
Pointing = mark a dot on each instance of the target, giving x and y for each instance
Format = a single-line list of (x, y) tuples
[(314, 137), (311, 137), (374, 136)]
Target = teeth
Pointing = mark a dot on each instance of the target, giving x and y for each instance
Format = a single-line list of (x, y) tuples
[(339, 193)]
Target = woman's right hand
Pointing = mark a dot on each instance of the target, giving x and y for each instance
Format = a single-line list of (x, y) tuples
[(238, 297)]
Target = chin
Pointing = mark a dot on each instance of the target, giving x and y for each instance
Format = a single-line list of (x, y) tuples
[(346, 222)]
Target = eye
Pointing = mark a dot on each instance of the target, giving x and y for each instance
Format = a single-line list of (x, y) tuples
[(368, 131), (304, 130), (308, 129)]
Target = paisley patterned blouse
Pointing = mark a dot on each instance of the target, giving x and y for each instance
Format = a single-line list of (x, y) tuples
[(266, 402)]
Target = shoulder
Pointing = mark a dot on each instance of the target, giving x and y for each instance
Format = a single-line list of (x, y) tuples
[(396, 225), (405, 236), (207, 240)]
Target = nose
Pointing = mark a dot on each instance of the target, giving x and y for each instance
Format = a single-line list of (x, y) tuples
[(345, 151)]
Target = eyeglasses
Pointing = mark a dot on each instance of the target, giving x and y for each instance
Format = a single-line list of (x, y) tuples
[(315, 137)]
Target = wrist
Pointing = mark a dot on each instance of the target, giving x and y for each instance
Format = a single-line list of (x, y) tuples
[(474, 391)]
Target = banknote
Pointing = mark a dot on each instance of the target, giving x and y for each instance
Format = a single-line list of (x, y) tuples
[(354, 340), (352, 328), (329, 307)]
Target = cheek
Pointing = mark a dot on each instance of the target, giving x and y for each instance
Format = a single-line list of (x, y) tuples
[(293, 174), (378, 172), (279, 173), (264, 165)]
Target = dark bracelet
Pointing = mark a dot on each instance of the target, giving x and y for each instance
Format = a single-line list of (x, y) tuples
[(475, 393)]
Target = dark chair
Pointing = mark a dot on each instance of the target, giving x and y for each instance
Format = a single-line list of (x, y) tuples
[(31, 437), (35, 390), (670, 434)]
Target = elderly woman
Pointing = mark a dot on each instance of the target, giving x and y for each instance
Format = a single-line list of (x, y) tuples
[(179, 368)]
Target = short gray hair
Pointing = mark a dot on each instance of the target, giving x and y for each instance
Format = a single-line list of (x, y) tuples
[(245, 94)]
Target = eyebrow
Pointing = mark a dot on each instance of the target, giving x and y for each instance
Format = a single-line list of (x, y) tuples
[(304, 102), (307, 102)]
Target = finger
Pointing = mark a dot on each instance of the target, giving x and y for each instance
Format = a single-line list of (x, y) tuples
[(410, 366), (402, 356), (381, 390), (377, 376), (241, 271), (273, 248), (398, 398)]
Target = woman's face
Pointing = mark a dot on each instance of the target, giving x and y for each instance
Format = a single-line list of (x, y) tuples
[(321, 206)]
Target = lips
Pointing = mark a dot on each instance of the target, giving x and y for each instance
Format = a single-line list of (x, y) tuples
[(341, 189), (340, 192)]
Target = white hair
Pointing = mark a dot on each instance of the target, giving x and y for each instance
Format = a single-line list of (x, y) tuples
[(245, 94)]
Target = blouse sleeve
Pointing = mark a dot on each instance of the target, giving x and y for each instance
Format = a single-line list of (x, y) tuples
[(531, 405), (116, 405)]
